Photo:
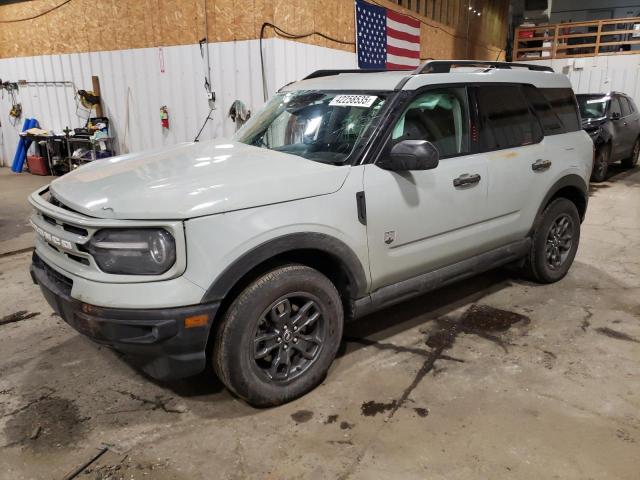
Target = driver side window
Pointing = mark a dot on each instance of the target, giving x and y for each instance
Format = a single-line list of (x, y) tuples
[(438, 116), (615, 107)]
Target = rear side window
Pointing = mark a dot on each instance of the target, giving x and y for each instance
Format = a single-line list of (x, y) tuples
[(563, 103), (505, 118), (632, 105), (551, 124)]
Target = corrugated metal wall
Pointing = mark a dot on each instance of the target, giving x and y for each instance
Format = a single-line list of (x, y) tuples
[(600, 74), (136, 83)]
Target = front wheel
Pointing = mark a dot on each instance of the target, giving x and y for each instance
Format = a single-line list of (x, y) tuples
[(632, 161), (279, 336), (555, 242)]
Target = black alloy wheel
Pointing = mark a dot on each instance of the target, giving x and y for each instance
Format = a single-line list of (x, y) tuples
[(554, 242), (559, 241), (278, 337), (289, 337)]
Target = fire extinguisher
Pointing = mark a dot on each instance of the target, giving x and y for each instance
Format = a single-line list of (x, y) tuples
[(164, 116)]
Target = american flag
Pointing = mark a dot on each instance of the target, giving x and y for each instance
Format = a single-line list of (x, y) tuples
[(386, 39)]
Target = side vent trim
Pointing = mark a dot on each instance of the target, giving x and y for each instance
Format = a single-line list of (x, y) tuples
[(362, 207)]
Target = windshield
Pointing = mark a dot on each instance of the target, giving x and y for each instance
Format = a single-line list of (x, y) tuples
[(592, 106), (319, 126)]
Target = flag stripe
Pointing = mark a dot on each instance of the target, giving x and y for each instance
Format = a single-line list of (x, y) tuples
[(402, 35), (401, 18), (401, 60), (402, 52), (401, 27), (396, 42), (396, 66)]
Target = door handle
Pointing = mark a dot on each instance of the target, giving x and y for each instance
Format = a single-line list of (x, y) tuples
[(466, 179), (541, 165)]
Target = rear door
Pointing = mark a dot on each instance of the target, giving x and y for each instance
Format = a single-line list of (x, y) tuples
[(509, 137), (619, 140), (630, 123)]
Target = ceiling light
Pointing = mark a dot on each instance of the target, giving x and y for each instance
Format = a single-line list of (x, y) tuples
[(470, 7), (478, 13)]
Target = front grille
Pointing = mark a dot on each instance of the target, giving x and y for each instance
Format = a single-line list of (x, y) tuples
[(54, 201), (77, 230), (65, 284)]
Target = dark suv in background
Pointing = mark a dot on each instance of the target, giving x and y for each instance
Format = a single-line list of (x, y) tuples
[(613, 123)]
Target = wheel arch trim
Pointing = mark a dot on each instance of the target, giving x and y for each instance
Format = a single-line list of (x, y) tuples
[(292, 242), (568, 181)]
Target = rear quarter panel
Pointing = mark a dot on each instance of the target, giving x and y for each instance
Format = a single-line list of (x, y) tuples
[(571, 154)]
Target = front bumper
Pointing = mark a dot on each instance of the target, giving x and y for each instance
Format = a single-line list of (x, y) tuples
[(155, 340)]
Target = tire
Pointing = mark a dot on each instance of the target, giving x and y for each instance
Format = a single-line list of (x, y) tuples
[(547, 248), (601, 164), (632, 161), (273, 318)]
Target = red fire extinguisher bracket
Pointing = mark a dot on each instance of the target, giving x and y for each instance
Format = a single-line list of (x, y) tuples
[(164, 117)]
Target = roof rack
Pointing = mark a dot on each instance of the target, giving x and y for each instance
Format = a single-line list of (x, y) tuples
[(444, 66), (434, 66), (328, 73)]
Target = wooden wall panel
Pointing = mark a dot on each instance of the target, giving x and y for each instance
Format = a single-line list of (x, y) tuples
[(223, 27), (178, 22), (87, 25)]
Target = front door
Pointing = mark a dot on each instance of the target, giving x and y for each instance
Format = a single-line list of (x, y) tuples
[(421, 220)]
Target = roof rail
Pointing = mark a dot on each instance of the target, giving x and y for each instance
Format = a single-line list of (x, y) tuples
[(328, 73), (444, 66)]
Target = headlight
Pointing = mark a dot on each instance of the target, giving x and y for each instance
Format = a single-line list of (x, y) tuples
[(147, 251)]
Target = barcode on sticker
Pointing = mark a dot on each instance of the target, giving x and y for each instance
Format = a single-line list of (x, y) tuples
[(353, 101)]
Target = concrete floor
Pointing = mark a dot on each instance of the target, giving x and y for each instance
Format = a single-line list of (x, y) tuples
[(547, 388), (15, 231)]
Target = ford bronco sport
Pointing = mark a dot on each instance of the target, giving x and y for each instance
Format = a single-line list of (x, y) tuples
[(348, 192)]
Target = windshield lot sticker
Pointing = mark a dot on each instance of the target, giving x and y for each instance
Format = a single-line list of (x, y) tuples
[(353, 101)]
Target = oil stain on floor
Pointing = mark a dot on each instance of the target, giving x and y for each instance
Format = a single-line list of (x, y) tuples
[(483, 321), (45, 423), (302, 416), (609, 332)]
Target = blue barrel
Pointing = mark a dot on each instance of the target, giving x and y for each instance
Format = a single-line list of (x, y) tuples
[(23, 146)]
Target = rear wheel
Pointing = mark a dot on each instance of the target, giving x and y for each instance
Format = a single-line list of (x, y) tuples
[(279, 336), (632, 161), (600, 164), (555, 242)]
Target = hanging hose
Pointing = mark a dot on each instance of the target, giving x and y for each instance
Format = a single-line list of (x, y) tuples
[(290, 36)]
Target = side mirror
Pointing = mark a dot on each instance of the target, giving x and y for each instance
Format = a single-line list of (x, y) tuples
[(615, 116), (411, 155)]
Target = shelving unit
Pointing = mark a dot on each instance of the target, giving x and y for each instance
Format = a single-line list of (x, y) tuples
[(577, 39)]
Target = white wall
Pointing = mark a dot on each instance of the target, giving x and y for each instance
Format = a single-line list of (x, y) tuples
[(601, 74), (134, 87)]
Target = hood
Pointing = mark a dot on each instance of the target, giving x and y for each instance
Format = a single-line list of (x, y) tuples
[(592, 123), (192, 180)]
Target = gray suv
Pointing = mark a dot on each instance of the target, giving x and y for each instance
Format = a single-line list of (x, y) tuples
[(348, 192), (613, 123)]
